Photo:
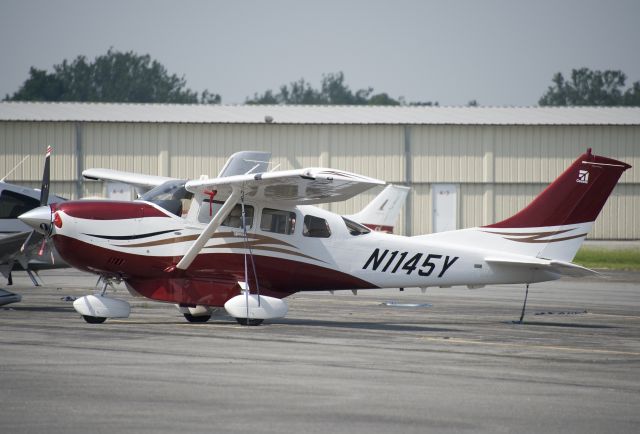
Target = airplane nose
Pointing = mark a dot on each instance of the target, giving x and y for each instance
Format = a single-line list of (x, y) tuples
[(38, 218)]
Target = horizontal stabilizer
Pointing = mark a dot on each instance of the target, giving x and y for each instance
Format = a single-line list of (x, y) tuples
[(553, 266)]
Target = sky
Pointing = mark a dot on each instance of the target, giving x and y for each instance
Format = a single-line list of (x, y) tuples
[(497, 52)]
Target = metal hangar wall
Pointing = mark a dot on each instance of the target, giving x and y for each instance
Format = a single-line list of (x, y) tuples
[(467, 166)]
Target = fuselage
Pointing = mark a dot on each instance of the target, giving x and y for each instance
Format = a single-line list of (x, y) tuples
[(300, 248)]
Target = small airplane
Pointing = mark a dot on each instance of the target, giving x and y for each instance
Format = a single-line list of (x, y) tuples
[(20, 247), (248, 241)]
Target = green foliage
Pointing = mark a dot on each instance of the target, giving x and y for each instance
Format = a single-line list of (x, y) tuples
[(614, 259), (382, 99), (591, 88), (113, 77), (333, 91)]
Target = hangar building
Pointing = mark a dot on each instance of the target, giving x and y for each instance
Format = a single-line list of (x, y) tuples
[(467, 166)]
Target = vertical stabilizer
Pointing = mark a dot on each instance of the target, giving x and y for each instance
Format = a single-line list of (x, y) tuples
[(382, 212), (556, 222)]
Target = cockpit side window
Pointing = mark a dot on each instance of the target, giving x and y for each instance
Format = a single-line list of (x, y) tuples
[(233, 220), (316, 227)]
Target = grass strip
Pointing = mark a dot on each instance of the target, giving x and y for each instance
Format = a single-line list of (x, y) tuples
[(612, 259)]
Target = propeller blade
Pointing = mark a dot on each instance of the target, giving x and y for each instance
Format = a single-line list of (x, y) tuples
[(26, 242), (42, 246), (44, 190)]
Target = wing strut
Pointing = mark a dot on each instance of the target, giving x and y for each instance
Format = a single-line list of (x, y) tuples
[(215, 222)]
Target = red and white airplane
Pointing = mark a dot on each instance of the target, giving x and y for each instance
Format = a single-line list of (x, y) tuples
[(210, 259)]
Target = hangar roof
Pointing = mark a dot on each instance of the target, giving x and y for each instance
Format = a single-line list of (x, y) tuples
[(258, 114)]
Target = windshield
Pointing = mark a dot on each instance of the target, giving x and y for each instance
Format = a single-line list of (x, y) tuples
[(171, 196)]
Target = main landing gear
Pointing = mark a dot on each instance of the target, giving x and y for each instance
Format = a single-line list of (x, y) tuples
[(249, 321), (95, 309), (196, 318)]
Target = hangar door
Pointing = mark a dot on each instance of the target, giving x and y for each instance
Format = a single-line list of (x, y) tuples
[(445, 207)]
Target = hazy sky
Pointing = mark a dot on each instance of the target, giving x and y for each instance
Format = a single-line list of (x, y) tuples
[(497, 52)]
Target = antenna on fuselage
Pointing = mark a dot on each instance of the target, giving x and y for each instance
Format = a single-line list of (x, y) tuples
[(14, 168)]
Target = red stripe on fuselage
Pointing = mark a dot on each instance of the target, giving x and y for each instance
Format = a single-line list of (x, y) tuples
[(108, 210), (219, 272)]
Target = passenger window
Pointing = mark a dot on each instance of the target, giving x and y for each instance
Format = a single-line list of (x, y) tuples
[(315, 227), (280, 222), (14, 204), (233, 220)]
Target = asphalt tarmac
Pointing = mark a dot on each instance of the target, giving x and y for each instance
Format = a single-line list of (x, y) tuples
[(336, 364)]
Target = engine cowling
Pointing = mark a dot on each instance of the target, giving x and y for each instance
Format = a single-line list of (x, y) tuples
[(264, 308)]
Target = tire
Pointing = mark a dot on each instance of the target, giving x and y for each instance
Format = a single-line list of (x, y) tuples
[(94, 319), (249, 322), (197, 319)]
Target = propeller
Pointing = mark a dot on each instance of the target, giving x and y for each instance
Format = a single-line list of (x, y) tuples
[(40, 218), (46, 176)]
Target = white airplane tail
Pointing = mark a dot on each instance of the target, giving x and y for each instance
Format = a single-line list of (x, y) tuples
[(382, 212), (554, 225)]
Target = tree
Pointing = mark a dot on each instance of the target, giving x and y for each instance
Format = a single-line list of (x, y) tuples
[(333, 91), (382, 99), (113, 77), (591, 88)]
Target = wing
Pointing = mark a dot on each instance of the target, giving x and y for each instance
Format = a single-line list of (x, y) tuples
[(140, 181), (302, 186), (10, 245), (558, 267)]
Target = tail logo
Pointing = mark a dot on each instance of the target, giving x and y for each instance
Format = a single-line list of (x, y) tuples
[(583, 177)]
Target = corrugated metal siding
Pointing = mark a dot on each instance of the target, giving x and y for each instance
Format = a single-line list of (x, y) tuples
[(620, 218), (368, 150), (18, 139), (130, 147), (448, 153), (471, 205), (498, 168), (422, 209), (539, 154)]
